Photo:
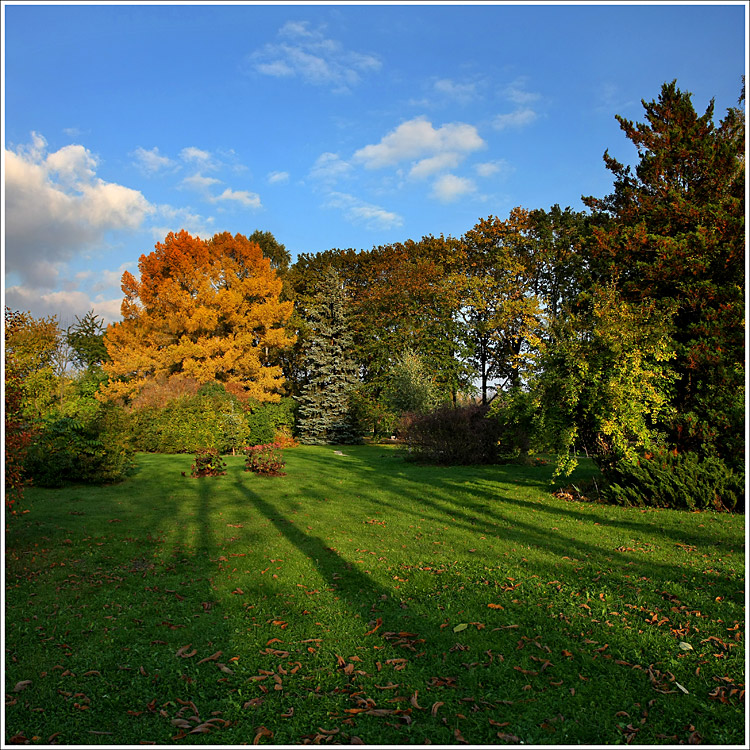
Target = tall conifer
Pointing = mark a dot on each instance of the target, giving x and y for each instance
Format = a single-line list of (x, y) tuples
[(324, 415)]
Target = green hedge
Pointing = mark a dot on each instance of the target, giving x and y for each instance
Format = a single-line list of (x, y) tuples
[(667, 479)]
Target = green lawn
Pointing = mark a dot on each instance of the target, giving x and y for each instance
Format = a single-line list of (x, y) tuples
[(361, 598)]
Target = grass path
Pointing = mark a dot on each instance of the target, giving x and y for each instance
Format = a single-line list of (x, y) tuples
[(360, 598)]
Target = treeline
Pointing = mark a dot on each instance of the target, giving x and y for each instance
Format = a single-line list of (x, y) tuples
[(617, 331)]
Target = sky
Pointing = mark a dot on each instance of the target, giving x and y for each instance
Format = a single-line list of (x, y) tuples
[(328, 125)]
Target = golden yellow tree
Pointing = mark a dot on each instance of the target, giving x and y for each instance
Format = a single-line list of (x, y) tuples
[(204, 309)]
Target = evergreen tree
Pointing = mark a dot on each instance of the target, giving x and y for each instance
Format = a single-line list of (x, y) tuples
[(324, 415), (674, 231)]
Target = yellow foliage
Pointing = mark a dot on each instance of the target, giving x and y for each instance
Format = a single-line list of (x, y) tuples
[(208, 309)]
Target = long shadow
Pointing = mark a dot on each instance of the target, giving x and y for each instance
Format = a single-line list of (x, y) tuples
[(422, 490)]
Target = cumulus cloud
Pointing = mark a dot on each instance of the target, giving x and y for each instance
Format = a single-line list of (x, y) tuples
[(278, 178), (524, 114), (450, 187), (360, 212), (198, 156), (199, 182), (433, 164), (66, 305), (246, 198), (516, 119), (418, 138), (173, 219), (56, 207), (308, 54), (489, 168), (460, 92), (150, 161), (329, 167)]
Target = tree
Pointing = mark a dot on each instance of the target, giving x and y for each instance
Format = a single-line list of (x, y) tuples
[(674, 232), (411, 386), (324, 414), (207, 309), (33, 346), (18, 431), (606, 380), (273, 250), (499, 306), (86, 338)]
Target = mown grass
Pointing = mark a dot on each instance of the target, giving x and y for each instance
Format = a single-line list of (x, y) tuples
[(361, 598)]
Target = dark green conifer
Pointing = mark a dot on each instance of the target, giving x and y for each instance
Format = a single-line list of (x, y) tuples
[(324, 414)]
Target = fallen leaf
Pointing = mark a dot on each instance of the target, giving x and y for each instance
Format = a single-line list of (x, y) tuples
[(459, 628), (213, 657), (21, 686), (508, 737), (261, 732), (436, 707)]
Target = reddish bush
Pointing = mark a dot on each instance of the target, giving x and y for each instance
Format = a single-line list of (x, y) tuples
[(452, 435), (265, 459), (208, 463)]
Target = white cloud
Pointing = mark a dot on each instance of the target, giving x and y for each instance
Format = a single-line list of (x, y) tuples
[(329, 167), (433, 164), (417, 138), (191, 153), (517, 119), (489, 168), (449, 188), (360, 212), (518, 95), (278, 178), (523, 114), (306, 53), (151, 161), (67, 306), (56, 207), (460, 92), (172, 219), (246, 198), (199, 182)]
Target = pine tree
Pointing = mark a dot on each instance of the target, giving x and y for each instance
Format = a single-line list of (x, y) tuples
[(324, 416)]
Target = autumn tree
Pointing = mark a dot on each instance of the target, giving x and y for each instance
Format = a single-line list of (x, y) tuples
[(405, 300), (206, 309), (673, 230), (331, 372), (499, 306)]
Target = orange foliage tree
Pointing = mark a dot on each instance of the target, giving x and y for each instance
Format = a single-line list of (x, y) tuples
[(202, 309)]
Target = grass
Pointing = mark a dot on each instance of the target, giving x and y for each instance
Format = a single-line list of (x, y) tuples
[(361, 598)]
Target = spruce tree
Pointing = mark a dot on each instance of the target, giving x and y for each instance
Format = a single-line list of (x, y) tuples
[(324, 415)]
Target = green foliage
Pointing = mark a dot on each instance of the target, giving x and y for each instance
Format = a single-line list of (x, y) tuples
[(209, 418), (208, 463), (515, 414), (668, 479), (675, 231), (410, 386), (452, 436), (324, 415), (86, 339), (67, 450), (266, 460), (606, 380)]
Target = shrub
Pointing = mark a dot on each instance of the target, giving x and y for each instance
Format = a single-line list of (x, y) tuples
[(67, 450), (451, 435), (667, 479), (265, 459), (260, 425), (208, 463)]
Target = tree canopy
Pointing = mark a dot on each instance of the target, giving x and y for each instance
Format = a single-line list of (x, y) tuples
[(208, 309)]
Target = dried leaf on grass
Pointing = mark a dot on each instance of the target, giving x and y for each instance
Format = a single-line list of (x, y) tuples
[(260, 733)]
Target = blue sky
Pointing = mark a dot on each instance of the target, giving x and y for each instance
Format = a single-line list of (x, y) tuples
[(331, 126)]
